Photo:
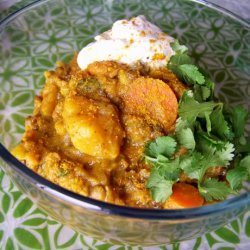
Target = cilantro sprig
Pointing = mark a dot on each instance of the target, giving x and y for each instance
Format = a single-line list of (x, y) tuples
[(241, 172), (211, 133), (181, 64)]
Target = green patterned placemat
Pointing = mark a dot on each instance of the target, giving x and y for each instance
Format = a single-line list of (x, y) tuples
[(22, 224), (4, 12)]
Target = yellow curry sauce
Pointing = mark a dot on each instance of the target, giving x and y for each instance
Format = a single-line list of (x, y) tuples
[(89, 129)]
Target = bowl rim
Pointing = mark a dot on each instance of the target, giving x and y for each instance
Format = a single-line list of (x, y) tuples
[(112, 209)]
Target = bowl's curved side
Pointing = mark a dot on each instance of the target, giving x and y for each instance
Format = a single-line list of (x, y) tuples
[(225, 11), (100, 224), (30, 44)]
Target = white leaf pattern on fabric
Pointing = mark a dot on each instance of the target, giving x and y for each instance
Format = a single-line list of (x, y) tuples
[(19, 218)]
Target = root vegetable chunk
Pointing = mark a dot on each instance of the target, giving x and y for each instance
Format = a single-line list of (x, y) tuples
[(93, 126), (153, 99), (184, 196)]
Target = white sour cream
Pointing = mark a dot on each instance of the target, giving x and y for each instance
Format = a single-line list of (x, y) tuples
[(130, 42)]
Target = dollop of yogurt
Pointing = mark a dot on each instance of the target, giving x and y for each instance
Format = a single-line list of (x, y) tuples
[(129, 41)]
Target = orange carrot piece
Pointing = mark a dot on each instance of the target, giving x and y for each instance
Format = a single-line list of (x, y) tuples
[(152, 99), (184, 196)]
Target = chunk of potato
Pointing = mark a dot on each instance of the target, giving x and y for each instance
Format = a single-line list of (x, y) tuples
[(19, 152), (30, 158), (93, 126), (49, 101)]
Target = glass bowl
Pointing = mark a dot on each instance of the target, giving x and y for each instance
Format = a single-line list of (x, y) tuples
[(35, 37)]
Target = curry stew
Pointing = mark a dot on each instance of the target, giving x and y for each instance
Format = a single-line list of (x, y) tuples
[(89, 129)]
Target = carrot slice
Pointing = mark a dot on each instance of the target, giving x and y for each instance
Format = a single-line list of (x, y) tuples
[(171, 79), (184, 196), (153, 99)]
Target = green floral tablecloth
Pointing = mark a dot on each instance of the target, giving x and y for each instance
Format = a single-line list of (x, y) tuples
[(24, 226)]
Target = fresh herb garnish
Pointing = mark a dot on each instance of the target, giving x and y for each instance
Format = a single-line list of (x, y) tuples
[(190, 109), (212, 189), (160, 188), (240, 173), (181, 65), (211, 134), (158, 147)]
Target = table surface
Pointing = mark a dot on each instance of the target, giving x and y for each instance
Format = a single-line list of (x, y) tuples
[(233, 236)]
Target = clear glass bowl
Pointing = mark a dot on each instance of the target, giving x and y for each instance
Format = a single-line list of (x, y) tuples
[(35, 37)]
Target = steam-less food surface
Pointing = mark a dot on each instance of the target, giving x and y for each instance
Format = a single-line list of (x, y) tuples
[(105, 126), (73, 28), (89, 129)]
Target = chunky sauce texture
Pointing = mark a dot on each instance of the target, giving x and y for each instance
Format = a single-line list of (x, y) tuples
[(89, 129)]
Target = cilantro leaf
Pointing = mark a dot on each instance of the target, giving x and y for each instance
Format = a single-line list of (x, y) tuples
[(186, 164), (212, 189), (191, 74), (201, 93), (236, 176), (177, 48), (177, 60), (210, 84), (193, 165), (181, 65), (245, 162), (207, 143), (240, 173), (161, 159), (160, 188), (186, 138), (164, 145), (165, 171), (190, 109), (224, 156), (239, 117), (221, 152), (196, 163), (219, 125), (154, 178), (163, 175), (208, 121), (170, 170), (162, 191), (181, 124)]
